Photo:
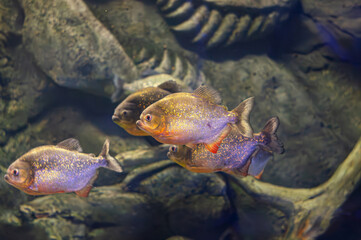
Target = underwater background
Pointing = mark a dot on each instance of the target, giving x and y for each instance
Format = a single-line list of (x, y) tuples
[(301, 60)]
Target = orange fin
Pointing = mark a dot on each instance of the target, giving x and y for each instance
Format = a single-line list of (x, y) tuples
[(259, 175), (213, 147), (84, 192)]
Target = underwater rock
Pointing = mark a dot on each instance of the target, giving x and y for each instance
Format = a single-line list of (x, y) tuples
[(130, 215), (73, 47), (217, 23), (195, 205), (150, 44), (345, 14), (25, 91), (338, 23), (142, 156), (301, 35)]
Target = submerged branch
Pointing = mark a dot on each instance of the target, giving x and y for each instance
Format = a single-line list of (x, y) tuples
[(309, 211)]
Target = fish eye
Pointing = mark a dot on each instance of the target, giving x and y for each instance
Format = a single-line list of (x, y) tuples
[(148, 117), (16, 172), (124, 113), (173, 149)]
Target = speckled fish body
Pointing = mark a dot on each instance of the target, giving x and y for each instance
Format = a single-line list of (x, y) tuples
[(237, 154), (193, 118), (128, 111), (58, 169)]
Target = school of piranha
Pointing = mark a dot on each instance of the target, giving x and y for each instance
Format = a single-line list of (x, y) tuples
[(205, 138)]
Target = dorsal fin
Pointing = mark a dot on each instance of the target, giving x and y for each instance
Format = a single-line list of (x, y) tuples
[(170, 86), (71, 144), (208, 93), (243, 111)]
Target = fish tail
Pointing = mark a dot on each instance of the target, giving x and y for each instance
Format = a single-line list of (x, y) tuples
[(269, 130), (243, 111), (111, 162)]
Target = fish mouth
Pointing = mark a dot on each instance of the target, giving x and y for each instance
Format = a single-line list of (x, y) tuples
[(7, 178), (142, 126), (115, 119)]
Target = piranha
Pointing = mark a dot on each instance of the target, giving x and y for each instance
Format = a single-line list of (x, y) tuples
[(194, 118), (127, 112), (237, 154), (59, 169)]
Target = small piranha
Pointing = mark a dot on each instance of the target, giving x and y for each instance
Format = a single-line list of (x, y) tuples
[(237, 154), (59, 169), (193, 118), (127, 112)]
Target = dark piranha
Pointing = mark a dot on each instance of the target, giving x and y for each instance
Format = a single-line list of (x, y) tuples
[(128, 111)]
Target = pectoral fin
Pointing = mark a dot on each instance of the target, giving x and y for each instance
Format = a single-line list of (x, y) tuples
[(213, 147)]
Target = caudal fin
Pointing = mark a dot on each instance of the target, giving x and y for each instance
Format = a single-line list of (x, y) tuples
[(275, 145), (243, 111), (111, 162)]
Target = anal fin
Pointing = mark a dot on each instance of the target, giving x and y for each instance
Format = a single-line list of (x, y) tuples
[(244, 170), (84, 192), (259, 175), (213, 147)]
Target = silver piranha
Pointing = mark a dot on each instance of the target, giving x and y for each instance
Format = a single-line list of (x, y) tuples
[(58, 169), (237, 154), (193, 118)]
